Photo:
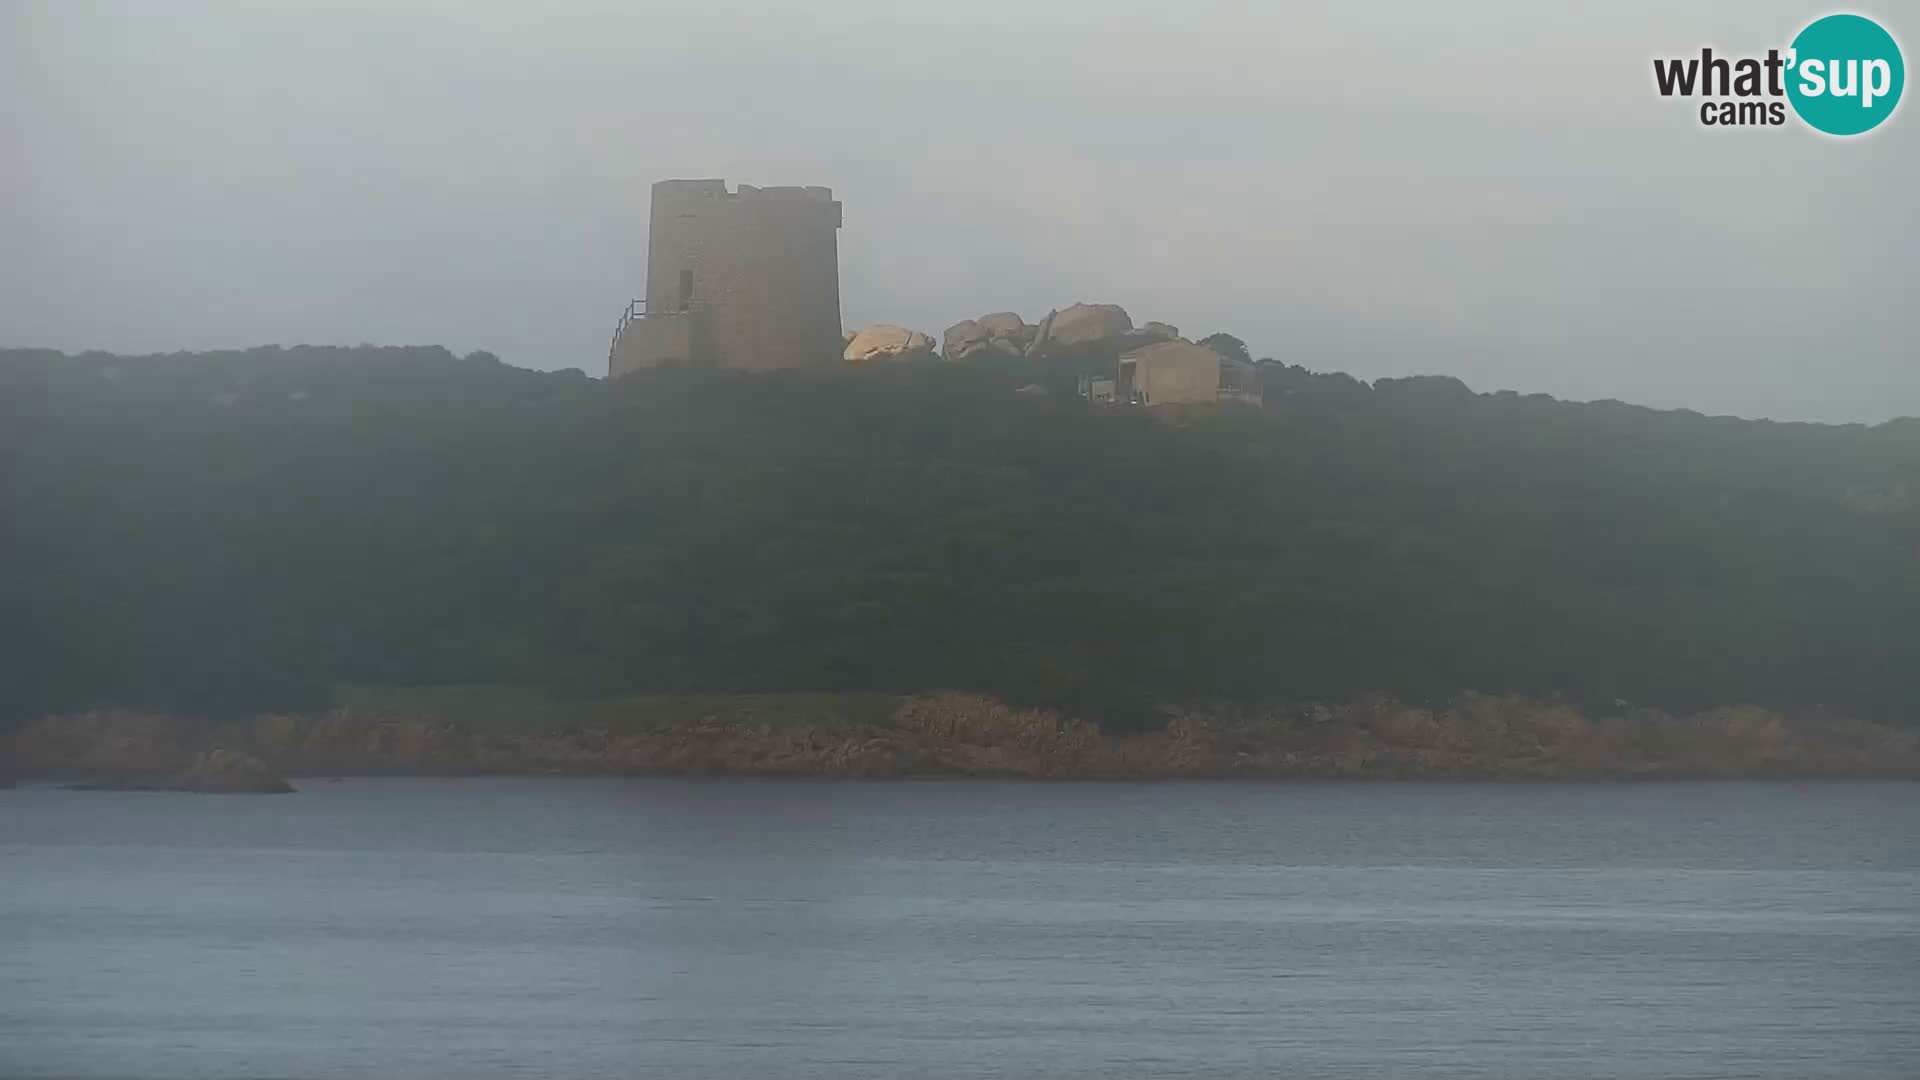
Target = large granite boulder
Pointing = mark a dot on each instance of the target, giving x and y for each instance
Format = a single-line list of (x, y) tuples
[(1037, 343), (965, 340), (884, 341), (1007, 332), (1080, 323), (1163, 331), (996, 332)]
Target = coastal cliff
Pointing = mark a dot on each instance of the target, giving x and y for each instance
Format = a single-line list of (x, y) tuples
[(945, 734)]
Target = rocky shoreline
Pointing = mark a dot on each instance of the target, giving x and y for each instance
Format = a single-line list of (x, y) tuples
[(948, 734), (217, 771)]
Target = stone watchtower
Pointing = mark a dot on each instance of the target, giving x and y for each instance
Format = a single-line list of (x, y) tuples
[(745, 279)]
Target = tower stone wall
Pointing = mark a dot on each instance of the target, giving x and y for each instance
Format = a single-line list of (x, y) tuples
[(754, 274)]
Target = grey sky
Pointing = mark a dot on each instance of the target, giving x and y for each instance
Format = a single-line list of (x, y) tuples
[(1492, 191)]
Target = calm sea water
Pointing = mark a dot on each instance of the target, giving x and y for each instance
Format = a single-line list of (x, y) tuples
[(656, 928)]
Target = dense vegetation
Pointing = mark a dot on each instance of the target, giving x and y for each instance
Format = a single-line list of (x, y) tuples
[(233, 531)]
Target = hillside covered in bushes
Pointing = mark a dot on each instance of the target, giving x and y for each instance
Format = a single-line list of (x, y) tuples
[(222, 533)]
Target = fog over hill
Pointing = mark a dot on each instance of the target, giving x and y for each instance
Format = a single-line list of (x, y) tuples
[(222, 532)]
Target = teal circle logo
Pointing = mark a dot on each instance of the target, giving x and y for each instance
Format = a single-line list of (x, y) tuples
[(1846, 74)]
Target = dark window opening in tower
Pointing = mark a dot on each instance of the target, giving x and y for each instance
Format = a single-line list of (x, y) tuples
[(686, 289)]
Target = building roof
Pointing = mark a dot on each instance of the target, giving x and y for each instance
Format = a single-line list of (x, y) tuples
[(1167, 347)]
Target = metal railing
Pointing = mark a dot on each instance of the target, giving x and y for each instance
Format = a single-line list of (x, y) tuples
[(636, 309)]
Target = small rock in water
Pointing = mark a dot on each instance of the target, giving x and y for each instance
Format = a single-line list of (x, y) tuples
[(230, 772)]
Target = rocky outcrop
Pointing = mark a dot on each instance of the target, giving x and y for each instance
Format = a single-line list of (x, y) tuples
[(1041, 333), (105, 741), (1080, 323), (1001, 332), (947, 733), (1160, 331), (884, 341), (965, 340), (1009, 331)]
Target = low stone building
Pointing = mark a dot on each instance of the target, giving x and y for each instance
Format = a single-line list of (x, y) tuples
[(1169, 373)]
